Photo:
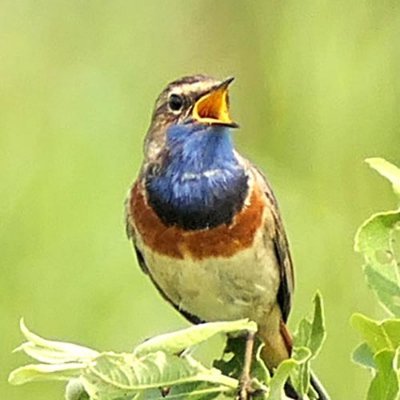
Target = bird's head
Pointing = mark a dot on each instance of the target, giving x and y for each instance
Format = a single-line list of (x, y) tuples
[(192, 176), (191, 104)]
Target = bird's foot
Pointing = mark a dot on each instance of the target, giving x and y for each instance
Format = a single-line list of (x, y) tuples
[(246, 389)]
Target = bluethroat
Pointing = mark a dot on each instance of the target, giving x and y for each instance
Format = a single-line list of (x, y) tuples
[(204, 221)]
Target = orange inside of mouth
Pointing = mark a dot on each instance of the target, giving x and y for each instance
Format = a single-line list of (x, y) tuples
[(213, 108)]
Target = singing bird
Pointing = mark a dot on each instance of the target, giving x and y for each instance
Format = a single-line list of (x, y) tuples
[(204, 221)]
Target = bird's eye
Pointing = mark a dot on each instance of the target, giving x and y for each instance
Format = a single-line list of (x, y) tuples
[(175, 102)]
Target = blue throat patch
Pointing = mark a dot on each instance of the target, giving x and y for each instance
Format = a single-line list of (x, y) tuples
[(200, 183)]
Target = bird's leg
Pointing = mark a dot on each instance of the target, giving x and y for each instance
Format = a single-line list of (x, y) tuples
[(245, 380)]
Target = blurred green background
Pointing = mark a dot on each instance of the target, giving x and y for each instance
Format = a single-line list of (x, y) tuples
[(317, 91)]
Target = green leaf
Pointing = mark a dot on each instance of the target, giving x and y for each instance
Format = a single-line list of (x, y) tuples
[(232, 360), (311, 333), (150, 374), (44, 372), (110, 376), (378, 335), (385, 385), (113, 374), (387, 170), (388, 292), (261, 371), (392, 329), (278, 380), (176, 342), (374, 236), (372, 333), (152, 370), (363, 356), (307, 343), (300, 376), (374, 240), (53, 352)]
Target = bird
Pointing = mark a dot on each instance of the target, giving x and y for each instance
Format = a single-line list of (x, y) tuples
[(204, 221)]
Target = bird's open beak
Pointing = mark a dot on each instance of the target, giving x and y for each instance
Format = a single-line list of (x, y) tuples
[(213, 107)]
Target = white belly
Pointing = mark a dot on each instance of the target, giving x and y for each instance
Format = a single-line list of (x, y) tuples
[(242, 286)]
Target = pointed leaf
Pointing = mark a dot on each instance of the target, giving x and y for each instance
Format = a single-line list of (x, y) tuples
[(53, 352), (387, 170), (363, 356), (44, 372), (392, 330), (385, 385), (387, 291), (124, 373), (311, 333), (372, 333), (278, 380), (260, 369), (176, 342), (300, 376)]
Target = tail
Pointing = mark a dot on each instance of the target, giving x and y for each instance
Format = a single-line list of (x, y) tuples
[(278, 347)]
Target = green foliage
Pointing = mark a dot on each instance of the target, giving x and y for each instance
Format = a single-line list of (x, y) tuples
[(277, 382), (307, 342), (179, 341), (376, 240), (385, 385), (311, 333), (108, 375), (162, 366), (232, 361)]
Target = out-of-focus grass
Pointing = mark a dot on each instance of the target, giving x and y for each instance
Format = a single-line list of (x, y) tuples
[(317, 91)]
